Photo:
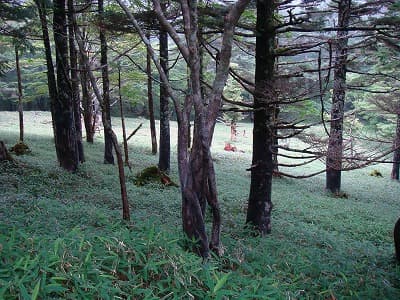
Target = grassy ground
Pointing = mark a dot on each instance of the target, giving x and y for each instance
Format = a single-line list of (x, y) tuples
[(61, 235)]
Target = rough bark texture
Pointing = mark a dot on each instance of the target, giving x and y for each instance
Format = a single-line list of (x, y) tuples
[(106, 108), (20, 105), (335, 144), (63, 108), (51, 77), (396, 153), (260, 203), (165, 145), (396, 236), (150, 103), (76, 100)]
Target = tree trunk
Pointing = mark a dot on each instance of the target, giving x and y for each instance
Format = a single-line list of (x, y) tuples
[(396, 237), (107, 127), (121, 173), (75, 83), (122, 119), (4, 155), (51, 78), (396, 153), (63, 108), (260, 203), (335, 144), (165, 146), (89, 117), (20, 105), (106, 108), (151, 104), (196, 172)]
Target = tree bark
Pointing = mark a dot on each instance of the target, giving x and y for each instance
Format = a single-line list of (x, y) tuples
[(4, 155), (150, 103), (335, 143), (63, 108), (396, 237), (196, 172), (107, 127), (20, 104), (106, 108), (125, 141), (165, 145), (260, 203), (396, 153), (51, 77), (73, 56), (89, 117)]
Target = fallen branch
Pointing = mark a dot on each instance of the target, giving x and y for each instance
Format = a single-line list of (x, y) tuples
[(134, 132)]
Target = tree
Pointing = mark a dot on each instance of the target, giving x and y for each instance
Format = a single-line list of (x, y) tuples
[(260, 204), (335, 144), (76, 101), (65, 140), (20, 104), (196, 169), (106, 106), (150, 102), (165, 146), (107, 125)]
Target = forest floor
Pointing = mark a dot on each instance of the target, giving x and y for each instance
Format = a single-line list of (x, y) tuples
[(61, 234)]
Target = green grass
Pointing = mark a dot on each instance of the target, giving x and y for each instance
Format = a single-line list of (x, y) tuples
[(61, 234)]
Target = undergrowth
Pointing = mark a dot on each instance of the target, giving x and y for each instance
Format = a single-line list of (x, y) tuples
[(61, 234)]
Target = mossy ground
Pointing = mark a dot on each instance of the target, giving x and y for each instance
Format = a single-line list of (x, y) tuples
[(61, 234)]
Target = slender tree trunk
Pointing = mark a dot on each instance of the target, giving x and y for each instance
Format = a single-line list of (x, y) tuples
[(87, 102), (73, 56), (335, 144), (20, 105), (122, 119), (165, 146), (63, 109), (51, 77), (107, 126), (260, 203), (396, 153), (151, 104), (106, 107)]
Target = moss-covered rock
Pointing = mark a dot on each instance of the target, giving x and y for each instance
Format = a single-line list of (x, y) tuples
[(153, 174), (20, 149)]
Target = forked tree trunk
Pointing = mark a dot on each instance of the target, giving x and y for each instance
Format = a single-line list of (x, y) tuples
[(335, 144), (51, 78), (20, 105), (396, 153), (106, 106), (260, 203), (196, 172), (73, 57), (165, 146), (150, 103), (63, 108)]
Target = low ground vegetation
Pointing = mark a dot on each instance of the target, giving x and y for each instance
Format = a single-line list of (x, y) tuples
[(61, 234)]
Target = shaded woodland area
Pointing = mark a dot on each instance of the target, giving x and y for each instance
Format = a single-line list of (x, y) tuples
[(307, 90)]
